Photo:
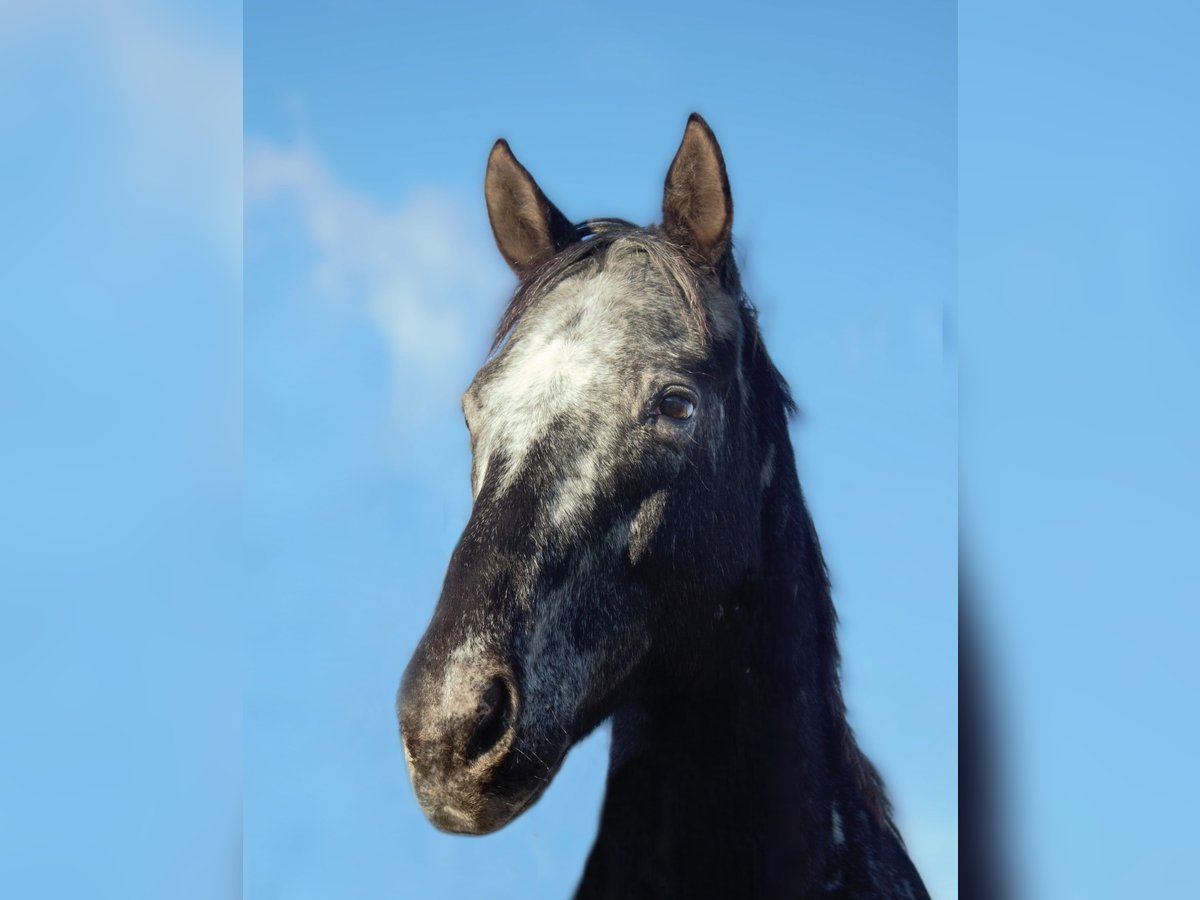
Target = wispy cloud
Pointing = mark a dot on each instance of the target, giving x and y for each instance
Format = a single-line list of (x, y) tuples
[(423, 272), (174, 85)]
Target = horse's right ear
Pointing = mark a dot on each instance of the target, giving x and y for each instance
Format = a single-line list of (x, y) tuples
[(529, 229)]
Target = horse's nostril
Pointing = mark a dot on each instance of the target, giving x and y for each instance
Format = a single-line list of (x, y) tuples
[(492, 720)]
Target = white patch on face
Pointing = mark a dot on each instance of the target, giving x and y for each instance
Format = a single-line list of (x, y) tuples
[(563, 360), (768, 468), (839, 836), (464, 682), (577, 491), (480, 474)]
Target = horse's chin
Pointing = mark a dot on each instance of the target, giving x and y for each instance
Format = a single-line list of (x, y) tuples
[(489, 808), (453, 820), (486, 818)]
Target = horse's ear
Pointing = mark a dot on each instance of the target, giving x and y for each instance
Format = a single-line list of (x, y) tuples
[(697, 205), (529, 229)]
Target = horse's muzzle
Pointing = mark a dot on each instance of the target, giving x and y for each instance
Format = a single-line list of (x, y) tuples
[(458, 720)]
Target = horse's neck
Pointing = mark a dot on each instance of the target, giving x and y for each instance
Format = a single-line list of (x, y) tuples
[(738, 785), (724, 789)]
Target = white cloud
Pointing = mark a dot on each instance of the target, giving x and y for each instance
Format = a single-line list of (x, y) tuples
[(173, 85), (422, 271)]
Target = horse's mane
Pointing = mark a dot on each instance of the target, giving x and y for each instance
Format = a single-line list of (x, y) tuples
[(806, 565)]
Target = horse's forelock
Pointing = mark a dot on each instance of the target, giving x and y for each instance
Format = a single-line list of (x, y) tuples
[(605, 238)]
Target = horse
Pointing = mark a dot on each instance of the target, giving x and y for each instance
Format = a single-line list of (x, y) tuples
[(639, 550)]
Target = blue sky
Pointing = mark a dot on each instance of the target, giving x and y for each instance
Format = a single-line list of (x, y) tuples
[(119, 385), (1079, 193), (180, 471), (367, 127)]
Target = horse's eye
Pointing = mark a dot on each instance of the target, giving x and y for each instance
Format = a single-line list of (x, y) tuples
[(676, 406)]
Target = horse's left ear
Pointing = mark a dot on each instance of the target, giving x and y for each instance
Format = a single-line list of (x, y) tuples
[(697, 205), (528, 228)]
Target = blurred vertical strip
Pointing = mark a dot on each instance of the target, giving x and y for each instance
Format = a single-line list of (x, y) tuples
[(1079, 206), (120, 665)]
